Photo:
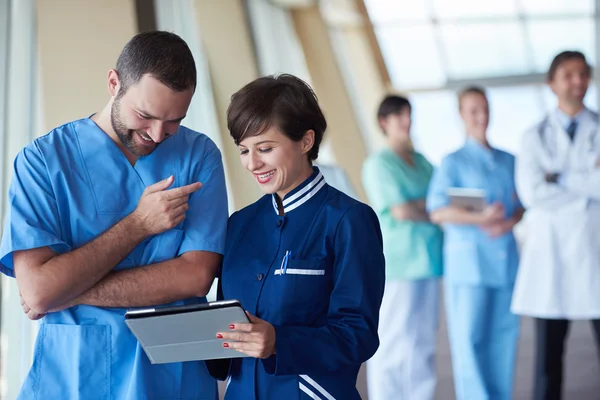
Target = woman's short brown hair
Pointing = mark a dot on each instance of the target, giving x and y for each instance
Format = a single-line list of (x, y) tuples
[(283, 101)]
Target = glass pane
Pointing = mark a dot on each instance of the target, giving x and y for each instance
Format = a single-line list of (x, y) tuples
[(477, 50), (558, 7), (411, 56), (473, 8), (381, 11), (548, 38), (436, 129), (590, 100), (513, 110)]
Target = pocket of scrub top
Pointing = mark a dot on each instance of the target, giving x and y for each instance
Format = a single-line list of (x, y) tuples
[(71, 362), (162, 247), (304, 287)]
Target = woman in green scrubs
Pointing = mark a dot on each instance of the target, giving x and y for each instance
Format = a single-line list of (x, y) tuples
[(396, 180)]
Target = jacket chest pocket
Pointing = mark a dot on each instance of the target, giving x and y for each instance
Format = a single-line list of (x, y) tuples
[(304, 287), (585, 157)]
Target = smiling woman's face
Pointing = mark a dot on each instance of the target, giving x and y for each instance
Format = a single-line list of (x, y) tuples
[(278, 163), (475, 113)]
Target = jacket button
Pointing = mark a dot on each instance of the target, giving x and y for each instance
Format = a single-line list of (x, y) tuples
[(259, 277), (279, 223)]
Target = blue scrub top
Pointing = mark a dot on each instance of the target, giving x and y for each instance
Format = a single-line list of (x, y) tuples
[(471, 256), (70, 186), (324, 305)]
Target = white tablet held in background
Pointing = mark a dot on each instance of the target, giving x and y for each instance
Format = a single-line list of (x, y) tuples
[(186, 333), (469, 199)]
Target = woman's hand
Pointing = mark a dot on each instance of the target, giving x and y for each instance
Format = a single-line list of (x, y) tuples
[(256, 339), (492, 214), (498, 229)]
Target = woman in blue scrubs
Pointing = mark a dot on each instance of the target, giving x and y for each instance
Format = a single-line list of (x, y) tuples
[(480, 258), (306, 261)]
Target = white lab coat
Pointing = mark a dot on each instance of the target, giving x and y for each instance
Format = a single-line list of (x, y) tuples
[(559, 272)]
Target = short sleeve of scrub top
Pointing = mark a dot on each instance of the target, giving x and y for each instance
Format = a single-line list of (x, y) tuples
[(205, 225), (32, 219), (381, 186), (441, 181)]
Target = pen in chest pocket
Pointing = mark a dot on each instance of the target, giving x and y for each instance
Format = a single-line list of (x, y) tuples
[(284, 262)]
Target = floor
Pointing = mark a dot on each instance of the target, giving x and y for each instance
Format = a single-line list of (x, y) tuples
[(582, 373)]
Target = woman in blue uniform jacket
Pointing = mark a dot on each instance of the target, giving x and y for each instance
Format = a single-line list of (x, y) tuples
[(306, 261)]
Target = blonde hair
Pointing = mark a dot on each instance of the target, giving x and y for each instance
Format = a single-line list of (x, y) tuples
[(470, 90)]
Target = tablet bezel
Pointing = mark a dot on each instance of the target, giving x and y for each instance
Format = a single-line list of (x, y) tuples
[(470, 199), (170, 310)]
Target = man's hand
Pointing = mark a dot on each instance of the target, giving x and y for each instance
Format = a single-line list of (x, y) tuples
[(31, 314), (159, 209), (50, 281), (256, 339)]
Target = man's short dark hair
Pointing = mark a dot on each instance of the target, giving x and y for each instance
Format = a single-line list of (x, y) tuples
[(163, 55), (283, 101), (564, 57)]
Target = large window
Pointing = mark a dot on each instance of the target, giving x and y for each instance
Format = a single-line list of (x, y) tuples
[(434, 47)]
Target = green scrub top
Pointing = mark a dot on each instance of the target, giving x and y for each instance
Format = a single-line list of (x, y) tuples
[(413, 250)]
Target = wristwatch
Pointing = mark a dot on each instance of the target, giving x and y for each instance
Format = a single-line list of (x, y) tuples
[(552, 177)]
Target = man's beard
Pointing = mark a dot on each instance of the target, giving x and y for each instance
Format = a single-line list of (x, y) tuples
[(126, 135)]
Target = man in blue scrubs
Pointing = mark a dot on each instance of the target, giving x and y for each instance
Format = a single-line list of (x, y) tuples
[(121, 210)]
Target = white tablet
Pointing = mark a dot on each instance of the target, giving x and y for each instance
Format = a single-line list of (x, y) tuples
[(185, 333), (467, 198)]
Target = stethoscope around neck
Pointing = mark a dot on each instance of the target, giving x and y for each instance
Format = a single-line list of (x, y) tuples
[(546, 125)]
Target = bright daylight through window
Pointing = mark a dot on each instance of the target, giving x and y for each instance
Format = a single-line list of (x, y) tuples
[(434, 47)]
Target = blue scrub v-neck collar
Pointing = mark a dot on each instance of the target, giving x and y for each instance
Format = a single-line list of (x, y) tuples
[(302, 193), (480, 150), (108, 167), (95, 139)]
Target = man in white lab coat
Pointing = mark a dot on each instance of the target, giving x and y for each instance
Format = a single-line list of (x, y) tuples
[(558, 180)]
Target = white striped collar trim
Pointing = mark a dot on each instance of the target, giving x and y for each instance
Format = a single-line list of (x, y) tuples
[(303, 195)]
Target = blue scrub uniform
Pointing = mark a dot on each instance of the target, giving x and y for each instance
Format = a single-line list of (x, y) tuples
[(324, 304), (480, 273), (70, 186)]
